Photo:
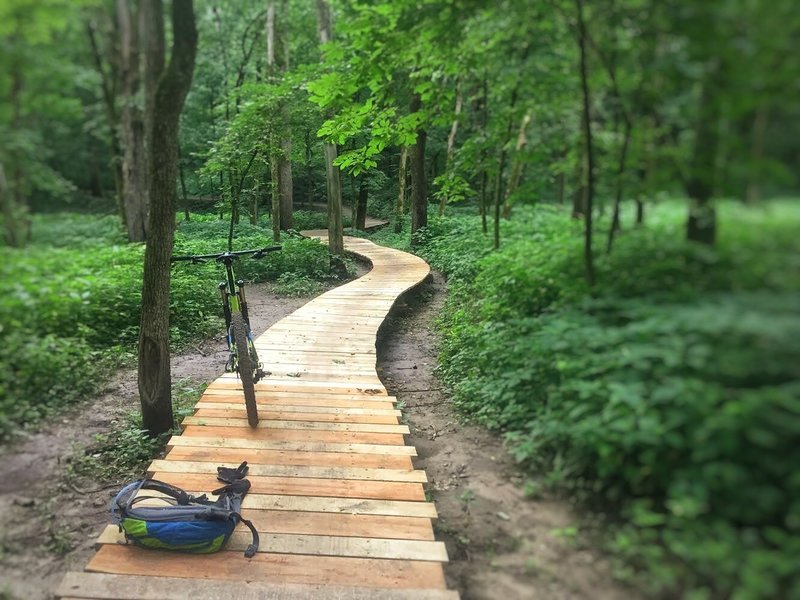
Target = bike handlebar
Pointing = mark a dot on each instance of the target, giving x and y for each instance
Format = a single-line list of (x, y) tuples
[(257, 253)]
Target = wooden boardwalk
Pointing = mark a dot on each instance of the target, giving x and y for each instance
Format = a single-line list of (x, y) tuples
[(339, 507)]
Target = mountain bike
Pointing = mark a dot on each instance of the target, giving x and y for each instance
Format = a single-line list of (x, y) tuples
[(242, 355)]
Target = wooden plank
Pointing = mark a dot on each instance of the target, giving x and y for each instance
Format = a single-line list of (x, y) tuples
[(319, 545), (295, 436), (303, 425), (271, 568), (343, 408), (337, 458), (304, 486), (303, 387), (104, 586), (179, 466), (303, 394), (243, 443), (318, 504), (239, 413)]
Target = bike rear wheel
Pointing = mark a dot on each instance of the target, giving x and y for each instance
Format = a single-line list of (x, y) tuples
[(245, 367)]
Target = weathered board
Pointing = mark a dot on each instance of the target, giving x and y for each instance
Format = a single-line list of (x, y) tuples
[(339, 507)]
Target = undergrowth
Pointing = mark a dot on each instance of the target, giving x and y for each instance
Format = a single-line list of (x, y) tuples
[(670, 392), (70, 302)]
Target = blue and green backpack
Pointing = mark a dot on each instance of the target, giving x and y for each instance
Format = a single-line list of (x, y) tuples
[(185, 523)]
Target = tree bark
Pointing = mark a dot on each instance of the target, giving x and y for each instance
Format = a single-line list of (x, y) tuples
[(333, 176), (170, 94), (587, 130), (701, 225), (451, 141), (516, 169), (484, 175), (758, 136), (419, 183), (361, 206), (134, 167), (402, 176), (108, 86), (615, 223), (277, 62)]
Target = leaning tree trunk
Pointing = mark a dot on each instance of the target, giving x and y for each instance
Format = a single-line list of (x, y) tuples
[(451, 144), (419, 183), (170, 94), (335, 233)]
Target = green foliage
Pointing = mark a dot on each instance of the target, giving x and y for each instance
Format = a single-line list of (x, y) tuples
[(672, 392), (296, 286), (70, 303)]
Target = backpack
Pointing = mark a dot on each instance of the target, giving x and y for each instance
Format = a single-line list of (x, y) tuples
[(185, 523)]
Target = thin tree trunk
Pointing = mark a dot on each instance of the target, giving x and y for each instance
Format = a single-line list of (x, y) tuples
[(451, 142), (615, 224), (561, 185), (587, 130), (274, 173), (484, 175), (516, 169), (701, 225), (186, 214), (8, 212), (277, 62), (759, 133), (402, 176), (335, 233), (134, 167), (419, 184), (361, 208), (108, 84), (170, 94)]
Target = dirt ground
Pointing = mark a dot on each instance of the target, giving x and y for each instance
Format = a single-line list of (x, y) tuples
[(36, 549), (502, 545)]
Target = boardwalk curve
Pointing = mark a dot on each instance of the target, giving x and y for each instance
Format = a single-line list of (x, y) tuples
[(340, 509)]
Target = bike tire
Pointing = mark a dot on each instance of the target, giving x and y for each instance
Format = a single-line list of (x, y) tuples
[(245, 367)]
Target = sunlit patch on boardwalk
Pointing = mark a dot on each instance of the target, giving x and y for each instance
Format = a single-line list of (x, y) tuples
[(340, 509)]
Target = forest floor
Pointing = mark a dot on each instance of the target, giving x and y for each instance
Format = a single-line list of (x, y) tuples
[(48, 525), (502, 545)]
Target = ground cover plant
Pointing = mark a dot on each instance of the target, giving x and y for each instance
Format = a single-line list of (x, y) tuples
[(70, 302), (670, 392)]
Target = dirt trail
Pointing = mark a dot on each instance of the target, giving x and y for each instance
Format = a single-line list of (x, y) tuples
[(502, 546), (35, 550)]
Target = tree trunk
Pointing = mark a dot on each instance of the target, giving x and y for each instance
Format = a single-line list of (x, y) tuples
[(108, 83), (11, 234), (701, 225), (419, 183), (759, 132), (483, 208), (451, 142), (277, 62), (333, 175), (184, 195), (516, 169), (587, 130), (615, 224), (361, 207), (274, 172), (402, 176), (561, 184), (134, 167), (170, 94)]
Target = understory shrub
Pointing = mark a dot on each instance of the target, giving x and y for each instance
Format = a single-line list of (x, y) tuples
[(70, 301), (670, 392)]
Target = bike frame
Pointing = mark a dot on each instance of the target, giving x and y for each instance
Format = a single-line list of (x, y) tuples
[(233, 297)]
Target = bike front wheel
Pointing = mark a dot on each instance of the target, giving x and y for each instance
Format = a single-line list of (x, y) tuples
[(245, 367)]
